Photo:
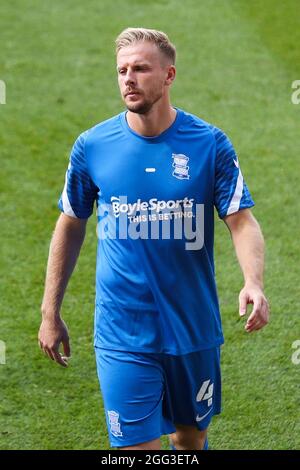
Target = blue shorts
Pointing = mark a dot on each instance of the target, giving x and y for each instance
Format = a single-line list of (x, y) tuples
[(146, 394)]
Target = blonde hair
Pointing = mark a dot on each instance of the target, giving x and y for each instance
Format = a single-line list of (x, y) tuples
[(133, 35)]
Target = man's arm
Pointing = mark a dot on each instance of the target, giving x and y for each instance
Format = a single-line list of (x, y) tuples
[(249, 246), (65, 246)]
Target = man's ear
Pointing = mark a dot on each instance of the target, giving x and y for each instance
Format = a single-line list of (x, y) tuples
[(171, 75)]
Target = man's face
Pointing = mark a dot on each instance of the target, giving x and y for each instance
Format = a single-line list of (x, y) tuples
[(142, 73)]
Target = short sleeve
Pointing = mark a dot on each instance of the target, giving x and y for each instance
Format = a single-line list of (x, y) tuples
[(231, 193), (79, 193)]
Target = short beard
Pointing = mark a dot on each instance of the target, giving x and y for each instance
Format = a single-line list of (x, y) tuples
[(140, 109), (143, 108)]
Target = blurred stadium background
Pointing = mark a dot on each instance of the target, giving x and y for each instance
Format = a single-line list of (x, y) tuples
[(237, 60)]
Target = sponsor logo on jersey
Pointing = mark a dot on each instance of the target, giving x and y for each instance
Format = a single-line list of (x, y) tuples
[(153, 205), (176, 219)]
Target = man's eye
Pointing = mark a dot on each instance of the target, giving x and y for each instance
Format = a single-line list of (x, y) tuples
[(122, 71)]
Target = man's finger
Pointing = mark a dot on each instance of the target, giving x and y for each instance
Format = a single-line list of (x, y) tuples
[(257, 307), (254, 326), (59, 359), (243, 304), (258, 317), (42, 348), (260, 310), (265, 312), (66, 346), (49, 353)]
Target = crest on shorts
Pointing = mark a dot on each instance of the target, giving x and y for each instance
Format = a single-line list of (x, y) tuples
[(115, 426), (180, 166)]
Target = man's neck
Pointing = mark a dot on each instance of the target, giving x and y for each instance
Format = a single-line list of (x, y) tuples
[(153, 123)]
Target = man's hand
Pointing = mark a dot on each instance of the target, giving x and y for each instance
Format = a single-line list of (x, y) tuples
[(259, 316), (52, 333)]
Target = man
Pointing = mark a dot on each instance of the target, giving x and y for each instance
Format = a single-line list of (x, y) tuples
[(156, 173)]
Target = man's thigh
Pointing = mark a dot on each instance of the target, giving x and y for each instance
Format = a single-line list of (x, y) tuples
[(132, 386), (193, 388)]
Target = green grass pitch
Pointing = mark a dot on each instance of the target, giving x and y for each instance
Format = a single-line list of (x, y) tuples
[(237, 60)]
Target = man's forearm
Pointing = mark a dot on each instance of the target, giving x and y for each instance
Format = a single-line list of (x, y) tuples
[(64, 250), (249, 246)]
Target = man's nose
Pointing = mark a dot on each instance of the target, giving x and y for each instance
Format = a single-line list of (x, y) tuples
[(130, 78)]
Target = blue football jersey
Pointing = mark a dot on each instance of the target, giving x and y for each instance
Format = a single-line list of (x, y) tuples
[(155, 199)]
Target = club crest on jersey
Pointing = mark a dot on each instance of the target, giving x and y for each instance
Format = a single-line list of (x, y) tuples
[(180, 165), (115, 426)]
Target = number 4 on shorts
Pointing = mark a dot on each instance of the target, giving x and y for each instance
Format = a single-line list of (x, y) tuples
[(206, 392)]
